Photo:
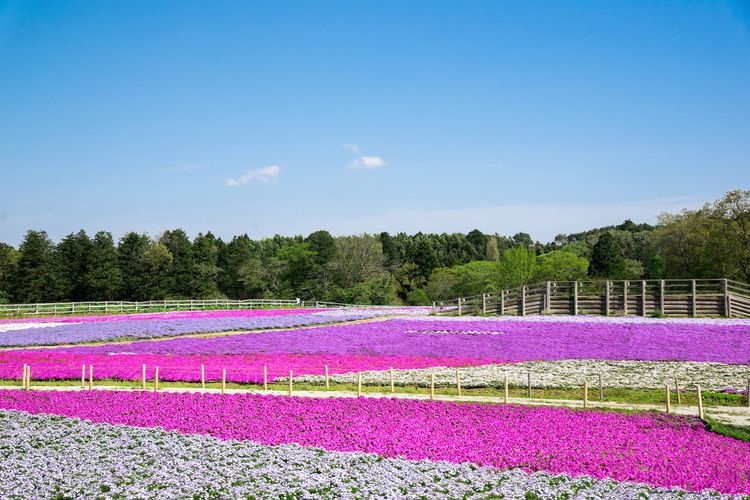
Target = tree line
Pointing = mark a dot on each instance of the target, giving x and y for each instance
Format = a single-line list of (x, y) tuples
[(710, 242)]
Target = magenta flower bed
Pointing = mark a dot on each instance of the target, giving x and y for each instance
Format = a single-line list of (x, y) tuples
[(656, 449), (52, 365), (501, 341)]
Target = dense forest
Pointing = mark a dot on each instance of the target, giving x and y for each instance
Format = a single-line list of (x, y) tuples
[(713, 241)]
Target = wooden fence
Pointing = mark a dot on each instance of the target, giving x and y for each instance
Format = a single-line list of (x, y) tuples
[(671, 298), (116, 307)]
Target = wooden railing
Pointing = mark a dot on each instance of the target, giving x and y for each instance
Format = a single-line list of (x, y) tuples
[(123, 307), (671, 298)]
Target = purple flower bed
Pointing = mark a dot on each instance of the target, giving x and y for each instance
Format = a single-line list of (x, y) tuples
[(155, 328), (500, 341), (655, 449), (219, 313)]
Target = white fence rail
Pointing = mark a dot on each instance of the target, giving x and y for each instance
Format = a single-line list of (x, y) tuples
[(115, 307)]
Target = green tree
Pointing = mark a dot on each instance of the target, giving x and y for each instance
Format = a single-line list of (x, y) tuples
[(492, 252), (130, 252), (561, 266), (73, 255), (8, 262), (103, 277), (443, 284), (517, 267), (606, 258), (359, 259), (731, 214), (157, 266), (206, 249), (183, 279), (36, 278)]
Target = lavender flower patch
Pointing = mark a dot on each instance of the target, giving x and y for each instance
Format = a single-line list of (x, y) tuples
[(149, 329), (43, 456)]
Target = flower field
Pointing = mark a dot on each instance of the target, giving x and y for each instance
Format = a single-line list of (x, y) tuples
[(652, 449), (401, 343), (149, 326), (78, 459), (145, 444)]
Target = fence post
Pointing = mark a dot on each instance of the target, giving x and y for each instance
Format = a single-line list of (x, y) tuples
[(625, 297), (607, 286), (727, 300), (575, 298), (484, 303), (523, 300), (434, 308), (459, 306), (661, 295), (502, 302), (643, 297), (693, 299), (585, 394), (548, 299)]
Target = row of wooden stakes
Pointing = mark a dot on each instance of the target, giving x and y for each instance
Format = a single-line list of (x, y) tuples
[(26, 383)]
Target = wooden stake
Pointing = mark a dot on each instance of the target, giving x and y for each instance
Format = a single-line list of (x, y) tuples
[(432, 386), (265, 378), (359, 383), (203, 376), (585, 394), (529, 378), (669, 406), (23, 377), (91, 377), (677, 390), (28, 377), (458, 382), (601, 388), (143, 377), (700, 402), (291, 382), (223, 381), (328, 384), (393, 389), (156, 378), (83, 376), (506, 389)]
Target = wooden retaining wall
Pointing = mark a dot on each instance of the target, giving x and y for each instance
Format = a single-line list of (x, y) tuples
[(671, 298)]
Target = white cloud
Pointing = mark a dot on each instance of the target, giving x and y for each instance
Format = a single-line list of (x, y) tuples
[(265, 174), (350, 146), (365, 163)]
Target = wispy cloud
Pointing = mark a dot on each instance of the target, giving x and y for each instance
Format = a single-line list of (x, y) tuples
[(265, 175), (350, 146), (366, 163)]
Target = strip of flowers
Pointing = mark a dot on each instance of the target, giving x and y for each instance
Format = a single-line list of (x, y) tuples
[(44, 456), (656, 449)]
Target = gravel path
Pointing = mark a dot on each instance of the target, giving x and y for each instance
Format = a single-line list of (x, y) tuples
[(569, 373)]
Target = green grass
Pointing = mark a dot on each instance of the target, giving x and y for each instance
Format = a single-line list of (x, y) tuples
[(733, 431)]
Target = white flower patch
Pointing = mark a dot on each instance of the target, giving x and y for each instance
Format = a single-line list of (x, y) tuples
[(12, 327)]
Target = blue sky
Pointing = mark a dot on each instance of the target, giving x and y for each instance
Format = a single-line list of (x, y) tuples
[(275, 117)]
